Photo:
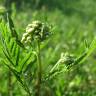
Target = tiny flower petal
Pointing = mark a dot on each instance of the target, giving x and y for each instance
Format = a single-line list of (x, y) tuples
[(30, 30)]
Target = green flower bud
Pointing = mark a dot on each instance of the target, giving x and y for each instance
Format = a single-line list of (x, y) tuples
[(67, 58)]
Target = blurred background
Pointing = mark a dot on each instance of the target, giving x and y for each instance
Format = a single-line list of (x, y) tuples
[(74, 22)]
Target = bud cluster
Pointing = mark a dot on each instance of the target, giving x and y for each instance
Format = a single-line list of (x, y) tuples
[(67, 58), (36, 30), (2, 9)]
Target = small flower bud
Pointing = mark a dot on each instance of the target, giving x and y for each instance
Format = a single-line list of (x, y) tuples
[(30, 30), (2, 10), (29, 38), (25, 35), (67, 58), (23, 39)]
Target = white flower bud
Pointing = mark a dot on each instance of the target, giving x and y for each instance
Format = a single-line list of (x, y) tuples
[(30, 30), (23, 39), (2, 9), (29, 38), (29, 25), (25, 35), (35, 25), (36, 22)]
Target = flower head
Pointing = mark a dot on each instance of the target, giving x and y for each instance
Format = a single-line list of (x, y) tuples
[(2, 10), (36, 30)]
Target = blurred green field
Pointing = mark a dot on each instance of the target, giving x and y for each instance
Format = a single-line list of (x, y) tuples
[(74, 22)]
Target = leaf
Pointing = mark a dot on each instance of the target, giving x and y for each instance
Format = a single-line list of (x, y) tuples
[(89, 51), (11, 44), (83, 56), (4, 45), (25, 60), (54, 73), (14, 50), (18, 77), (17, 55), (19, 43), (29, 65), (86, 44), (13, 31), (8, 58), (11, 26)]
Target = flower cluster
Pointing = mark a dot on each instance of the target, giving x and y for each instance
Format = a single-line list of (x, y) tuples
[(67, 58), (36, 30), (2, 10)]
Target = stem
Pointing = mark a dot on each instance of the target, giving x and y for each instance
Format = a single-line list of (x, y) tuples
[(9, 83), (29, 94), (55, 66), (28, 90), (38, 86)]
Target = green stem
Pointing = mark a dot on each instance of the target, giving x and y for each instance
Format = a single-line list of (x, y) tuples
[(9, 83), (29, 94), (55, 66), (39, 69), (28, 90)]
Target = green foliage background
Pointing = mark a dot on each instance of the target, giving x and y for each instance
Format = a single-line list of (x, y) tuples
[(73, 21)]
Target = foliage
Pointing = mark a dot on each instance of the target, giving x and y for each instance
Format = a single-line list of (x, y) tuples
[(63, 64)]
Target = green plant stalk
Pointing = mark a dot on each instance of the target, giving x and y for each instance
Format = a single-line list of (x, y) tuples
[(55, 66), (38, 86), (9, 83), (26, 88), (29, 93)]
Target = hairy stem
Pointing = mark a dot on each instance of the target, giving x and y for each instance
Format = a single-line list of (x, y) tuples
[(38, 86)]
